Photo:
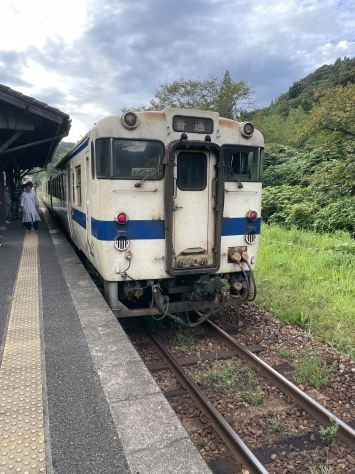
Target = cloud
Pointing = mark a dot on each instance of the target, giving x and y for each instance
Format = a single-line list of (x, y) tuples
[(91, 59)]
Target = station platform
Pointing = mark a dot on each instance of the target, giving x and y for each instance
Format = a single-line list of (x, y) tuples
[(75, 397)]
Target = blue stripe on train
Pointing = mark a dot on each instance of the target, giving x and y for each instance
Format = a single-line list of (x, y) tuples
[(133, 230), (147, 230), (239, 226), (79, 217)]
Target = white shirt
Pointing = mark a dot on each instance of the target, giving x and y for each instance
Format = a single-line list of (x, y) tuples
[(29, 202)]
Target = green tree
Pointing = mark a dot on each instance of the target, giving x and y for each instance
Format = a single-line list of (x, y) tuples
[(232, 98), (278, 126), (333, 115), (225, 96), (331, 124)]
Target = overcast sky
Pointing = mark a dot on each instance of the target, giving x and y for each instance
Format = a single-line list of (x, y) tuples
[(91, 58)]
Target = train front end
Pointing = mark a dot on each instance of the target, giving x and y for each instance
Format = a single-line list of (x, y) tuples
[(183, 190)]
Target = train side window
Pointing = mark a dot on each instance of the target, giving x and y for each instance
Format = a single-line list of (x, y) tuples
[(65, 187), (191, 171), (78, 185), (62, 187), (103, 158), (61, 191)]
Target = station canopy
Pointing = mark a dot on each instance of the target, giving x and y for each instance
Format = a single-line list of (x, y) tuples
[(30, 131)]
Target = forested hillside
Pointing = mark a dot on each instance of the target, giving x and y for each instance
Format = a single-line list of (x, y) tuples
[(62, 150), (305, 91), (309, 167)]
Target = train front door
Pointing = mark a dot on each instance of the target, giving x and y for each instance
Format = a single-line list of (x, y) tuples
[(196, 215)]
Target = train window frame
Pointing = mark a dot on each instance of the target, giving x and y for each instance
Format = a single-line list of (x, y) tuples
[(152, 172), (101, 171), (251, 174), (78, 196), (92, 148), (185, 185), (72, 198), (62, 187)]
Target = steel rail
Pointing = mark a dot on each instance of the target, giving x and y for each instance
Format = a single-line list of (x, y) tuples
[(238, 448), (311, 406)]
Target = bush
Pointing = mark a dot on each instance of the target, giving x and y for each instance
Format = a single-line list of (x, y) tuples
[(296, 206), (301, 216), (338, 215), (279, 200)]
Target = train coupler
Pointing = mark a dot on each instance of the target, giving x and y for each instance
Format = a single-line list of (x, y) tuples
[(208, 286)]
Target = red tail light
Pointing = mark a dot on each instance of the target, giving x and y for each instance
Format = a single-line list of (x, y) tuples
[(252, 215), (121, 218)]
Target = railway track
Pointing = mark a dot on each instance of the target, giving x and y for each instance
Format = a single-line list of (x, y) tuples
[(311, 406), (245, 459), (237, 447)]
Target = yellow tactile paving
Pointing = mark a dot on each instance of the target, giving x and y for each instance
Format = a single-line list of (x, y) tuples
[(22, 448)]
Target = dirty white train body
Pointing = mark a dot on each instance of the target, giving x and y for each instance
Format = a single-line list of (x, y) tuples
[(166, 205)]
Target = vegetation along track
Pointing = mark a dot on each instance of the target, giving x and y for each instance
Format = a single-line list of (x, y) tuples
[(256, 402)]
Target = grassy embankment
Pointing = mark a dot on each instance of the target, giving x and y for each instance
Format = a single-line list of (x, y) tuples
[(309, 279)]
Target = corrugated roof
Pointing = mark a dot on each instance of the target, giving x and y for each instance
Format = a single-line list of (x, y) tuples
[(30, 130)]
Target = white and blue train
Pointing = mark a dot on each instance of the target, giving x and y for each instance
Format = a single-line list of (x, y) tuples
[(166, 205)]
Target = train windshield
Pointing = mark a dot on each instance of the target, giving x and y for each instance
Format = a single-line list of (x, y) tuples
[(129, 159), (241, 163)]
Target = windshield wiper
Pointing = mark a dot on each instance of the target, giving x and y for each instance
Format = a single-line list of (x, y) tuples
[(231, 172), (156, 170)]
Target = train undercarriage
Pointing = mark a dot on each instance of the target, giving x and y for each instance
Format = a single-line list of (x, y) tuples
[(204, 295)]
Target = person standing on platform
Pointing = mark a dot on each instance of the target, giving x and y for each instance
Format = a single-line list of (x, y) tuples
[(30, 207)]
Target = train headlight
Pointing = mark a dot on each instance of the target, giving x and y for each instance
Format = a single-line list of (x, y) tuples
[(246, 129), (252, 215), (121, 217), (130, 120)]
